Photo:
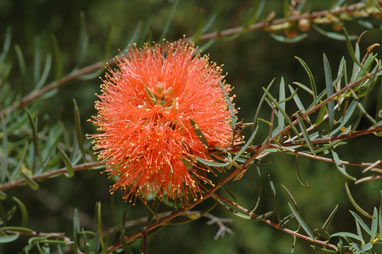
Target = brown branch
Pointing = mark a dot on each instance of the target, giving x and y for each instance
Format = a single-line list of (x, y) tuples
[(50, 174), (265, 24), (351, 135), (214, 35), (275, 225), (320, 158)]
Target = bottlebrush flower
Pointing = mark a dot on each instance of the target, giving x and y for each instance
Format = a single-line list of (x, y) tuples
[(145, 115)]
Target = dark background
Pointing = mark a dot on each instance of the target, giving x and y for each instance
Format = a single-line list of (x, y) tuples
[(251, 61)]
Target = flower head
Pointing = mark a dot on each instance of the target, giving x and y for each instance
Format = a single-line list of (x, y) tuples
[(148, 113)]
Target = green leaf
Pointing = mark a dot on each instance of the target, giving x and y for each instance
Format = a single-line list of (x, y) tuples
[(254, 13), (234, 212), (34, 137), (206, 162), (23, 211), (340, 167), (99, 224), (76, 228), (21, 60), (77, 124), (351, 51), (45, 73), (301, 221), (321, 115), (57, 56), (230, 106), (297, 100), (300, 179), (199, 133), (275, 199), (280, 116), (7, 44), (330, 218), (347, 234), (4, 161), (31, 183), (36, 61), (169, 20), (329, 89), (68, 164), (354, 203), (83, 39), (361, 223), (260, 190), (374, 224), (290, 197), (284, 39), (282, 111), (9, 238), (348, 115), (248, 143), (305, 134), (20, 229), (333, 35)]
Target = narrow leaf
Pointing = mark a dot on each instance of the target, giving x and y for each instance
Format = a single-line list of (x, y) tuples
[(77, 124), (7, 44), (340, 167), (45, 73), (34, 137), (300, 179), (301, 221), (23, 211), (290, 197), (57, 56), (68, 164), (280, 116), (199, 133), (248, 143), (305, 134), (83, 39), (21, 60), (99, 224), (330, 218), (230, 106), (32, 183), (284, 39), (333, 35), (9, 238), (351, 51), (354, 203), (329, 89), (310, 75), (275, 199), (361, 222)]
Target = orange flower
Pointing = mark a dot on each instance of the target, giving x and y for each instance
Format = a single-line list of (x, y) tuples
[(145, 115)]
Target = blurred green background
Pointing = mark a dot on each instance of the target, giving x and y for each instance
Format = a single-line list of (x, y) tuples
[(251, 61)]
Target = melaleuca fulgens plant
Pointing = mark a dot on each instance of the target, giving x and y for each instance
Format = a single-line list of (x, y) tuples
[(166, 147)]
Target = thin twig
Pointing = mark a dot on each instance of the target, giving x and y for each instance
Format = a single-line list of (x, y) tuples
[(320, 158), (214, 35), (351, 135), (50, 174), (275, 225), (368, 179)]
